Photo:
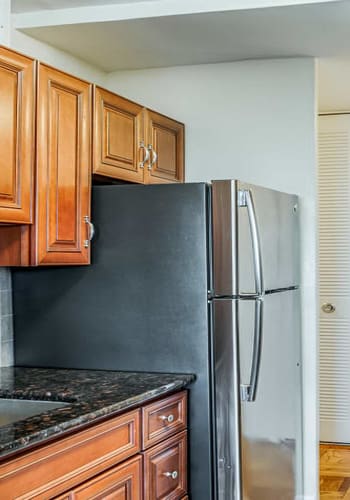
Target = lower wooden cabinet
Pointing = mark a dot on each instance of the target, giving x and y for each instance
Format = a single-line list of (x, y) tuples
[(119, 483), (165, 469), (108, 461), (66, 463)]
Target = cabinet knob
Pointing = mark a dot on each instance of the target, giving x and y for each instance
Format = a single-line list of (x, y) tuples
[(167, 418), (173, 474)]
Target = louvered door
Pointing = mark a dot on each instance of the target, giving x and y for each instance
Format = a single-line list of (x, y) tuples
[(334, 261)]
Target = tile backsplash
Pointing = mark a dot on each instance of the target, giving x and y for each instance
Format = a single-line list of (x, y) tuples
[(6, 318)]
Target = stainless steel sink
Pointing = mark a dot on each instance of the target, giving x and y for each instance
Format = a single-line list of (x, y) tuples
[(13, 410)]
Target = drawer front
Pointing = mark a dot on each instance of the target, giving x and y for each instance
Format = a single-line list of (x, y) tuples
[(63, 464), (119, 483), (165, 469), (164, 418)]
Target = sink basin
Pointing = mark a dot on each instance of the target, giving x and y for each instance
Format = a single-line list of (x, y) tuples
[(13, 410)]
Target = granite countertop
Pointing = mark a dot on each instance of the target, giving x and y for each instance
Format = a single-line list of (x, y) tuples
[(91, 394)]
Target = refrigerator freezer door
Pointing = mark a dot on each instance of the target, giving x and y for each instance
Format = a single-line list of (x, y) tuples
[(227, 399), (224, 240), (271, 424), (255, 239), (276, 218)]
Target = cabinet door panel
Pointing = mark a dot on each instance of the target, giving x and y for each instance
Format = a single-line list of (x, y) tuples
[(63, 180), (165, 466), (167, 158), (118, 126), (119, 483), (17, 101), (164, 418)]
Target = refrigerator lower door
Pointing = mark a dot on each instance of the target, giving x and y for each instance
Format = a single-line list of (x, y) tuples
[(227, 400), (271, 423)]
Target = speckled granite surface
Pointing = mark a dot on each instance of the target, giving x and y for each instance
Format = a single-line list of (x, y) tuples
[(92, 394)]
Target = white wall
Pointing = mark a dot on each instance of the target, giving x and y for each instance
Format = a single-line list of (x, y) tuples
[(253, 120), (5, 13), (57, 58), (333, 81)]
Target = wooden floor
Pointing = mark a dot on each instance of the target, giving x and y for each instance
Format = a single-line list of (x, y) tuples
[(334, 472)]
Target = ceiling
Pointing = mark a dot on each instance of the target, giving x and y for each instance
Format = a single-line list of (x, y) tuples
[(319, 29), (18, 6)]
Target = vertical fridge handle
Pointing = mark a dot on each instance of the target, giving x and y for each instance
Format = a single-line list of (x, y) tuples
[(248, 392), (245, 199)]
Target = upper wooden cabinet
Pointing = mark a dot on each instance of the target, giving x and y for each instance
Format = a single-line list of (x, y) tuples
[(63, 169), (17, 105), (134, 144), (165, 139), (55, 131), (118, 133)]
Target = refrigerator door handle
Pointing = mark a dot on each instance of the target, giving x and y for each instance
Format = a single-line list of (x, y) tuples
[(248, 392), (245, 199)]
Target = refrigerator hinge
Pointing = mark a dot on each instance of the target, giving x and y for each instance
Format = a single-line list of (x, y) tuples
[(245, 389), (241, 198)]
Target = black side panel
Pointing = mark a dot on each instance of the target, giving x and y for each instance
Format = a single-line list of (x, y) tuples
[(141, 305)]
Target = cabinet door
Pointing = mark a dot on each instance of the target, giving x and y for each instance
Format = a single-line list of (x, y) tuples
[(166, 137), (17, 99), (119, 483), (165, 469), (63, 168), (118, 130)]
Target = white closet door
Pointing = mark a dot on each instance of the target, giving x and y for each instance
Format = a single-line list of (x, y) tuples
[(334, 261)]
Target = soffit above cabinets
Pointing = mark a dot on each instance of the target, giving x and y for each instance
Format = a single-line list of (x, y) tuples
[(18, 6), (113, 37)]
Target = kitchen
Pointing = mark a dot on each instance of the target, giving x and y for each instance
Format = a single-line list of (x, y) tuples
[(277, 97)]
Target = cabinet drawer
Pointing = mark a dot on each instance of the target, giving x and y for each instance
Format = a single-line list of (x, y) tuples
[(165, 469), (119, 483), (63, 464), (164, 418)]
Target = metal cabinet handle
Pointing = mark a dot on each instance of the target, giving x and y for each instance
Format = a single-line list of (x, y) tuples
[(248, 392), (167, 418), (154, 156), (245, 199), (146, 157), (328, 308), (173, 474), (91, 231)]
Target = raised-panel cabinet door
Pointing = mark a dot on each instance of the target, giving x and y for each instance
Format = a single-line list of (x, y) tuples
[(118, 143), (165, 469), (63, 168), (17, 102), (119, 483), (166, 142)]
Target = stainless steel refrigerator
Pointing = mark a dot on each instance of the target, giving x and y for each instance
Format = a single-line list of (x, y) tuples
[(189, 278)]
